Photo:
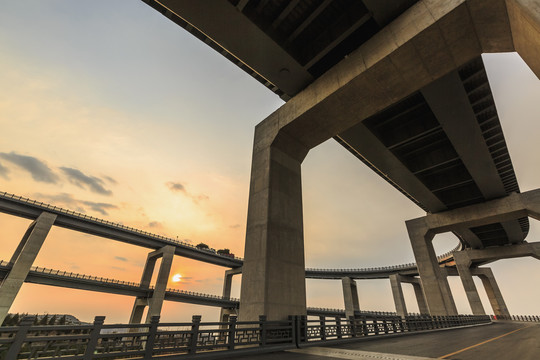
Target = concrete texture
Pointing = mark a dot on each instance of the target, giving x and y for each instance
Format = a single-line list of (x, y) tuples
[(23, 259), (350, 296), (493, 292)]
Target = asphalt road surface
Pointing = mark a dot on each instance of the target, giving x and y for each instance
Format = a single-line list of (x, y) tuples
[(498, 341)]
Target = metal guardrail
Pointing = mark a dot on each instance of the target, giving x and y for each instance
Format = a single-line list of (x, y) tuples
[(147, 341), (79, 215), (102, 280)]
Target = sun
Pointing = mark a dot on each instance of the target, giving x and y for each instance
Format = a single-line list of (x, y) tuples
[(176, 278)]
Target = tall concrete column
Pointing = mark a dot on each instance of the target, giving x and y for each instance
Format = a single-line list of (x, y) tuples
[(227, 286), (397, 292), (154, 303), (420, 299), (273, 277), (435, 285), (493, 292), (525, 24), (23, 259), (350, 296), (463, 263)]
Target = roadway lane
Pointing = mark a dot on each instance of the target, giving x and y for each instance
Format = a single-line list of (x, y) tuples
[(499, 341), (523, 344)]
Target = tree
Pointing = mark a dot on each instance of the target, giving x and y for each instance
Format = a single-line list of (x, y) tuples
[(7, 320), (44, 320), (202, 246), (224, 251), (62, 320), (15, 320), (53, 320)]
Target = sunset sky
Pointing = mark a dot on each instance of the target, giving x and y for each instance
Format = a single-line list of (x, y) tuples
[(109, 108)]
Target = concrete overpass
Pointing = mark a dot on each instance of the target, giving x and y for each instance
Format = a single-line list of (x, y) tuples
[(401, 85)]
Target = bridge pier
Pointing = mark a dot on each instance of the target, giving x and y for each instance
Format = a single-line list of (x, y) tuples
[(350, 296), (396, 282), (434, 282), (23, 259), (155, 302), (493, 292), (463, 263), (227, 285), (273, 278), (397, 292)]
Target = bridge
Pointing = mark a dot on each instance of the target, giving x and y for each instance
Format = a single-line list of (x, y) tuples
[(402, 86)]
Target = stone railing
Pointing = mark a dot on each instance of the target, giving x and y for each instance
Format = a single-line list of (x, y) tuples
[(225, 339)]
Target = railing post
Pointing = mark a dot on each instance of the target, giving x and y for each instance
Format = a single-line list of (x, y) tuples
[(151, 338), (338, 327), (195, 323), (94, 337), (365, 330), (352, 323), (232, 332), (18, 341), (375, 325), (294, 329), (322, 325), (262, 331), (303, 328)]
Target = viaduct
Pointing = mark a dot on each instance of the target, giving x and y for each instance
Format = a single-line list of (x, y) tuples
[(400, 84)]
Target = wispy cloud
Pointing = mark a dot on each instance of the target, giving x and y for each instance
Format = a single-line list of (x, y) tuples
[(121, 258), (155, 224), (235, 226), (68, 201), (177, 187), (37, 168), (77, 177), (110, 179), (4, 172)]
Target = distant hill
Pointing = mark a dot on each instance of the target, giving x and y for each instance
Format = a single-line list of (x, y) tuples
[(43, 319)]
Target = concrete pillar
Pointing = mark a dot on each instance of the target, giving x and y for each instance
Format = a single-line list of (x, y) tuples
[(156, 301), (397, 292), (227, 285), (493, 292), (463, 263), (23, 259), (435, 285), (273, 278), (350, 296), (525, 25), (420, 299)]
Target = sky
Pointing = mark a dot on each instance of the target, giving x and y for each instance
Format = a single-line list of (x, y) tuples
[(109, 108)]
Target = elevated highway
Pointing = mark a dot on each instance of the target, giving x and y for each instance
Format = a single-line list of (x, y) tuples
[(399, 84)]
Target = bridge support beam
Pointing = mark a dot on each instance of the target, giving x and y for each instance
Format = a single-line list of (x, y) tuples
[(397, 292), (350, 296), (463, 263), (23, 259), (273, 278), (227, 286), (420, 299), (155, 302)]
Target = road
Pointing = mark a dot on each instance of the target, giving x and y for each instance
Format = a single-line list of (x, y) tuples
[(499, 341)]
